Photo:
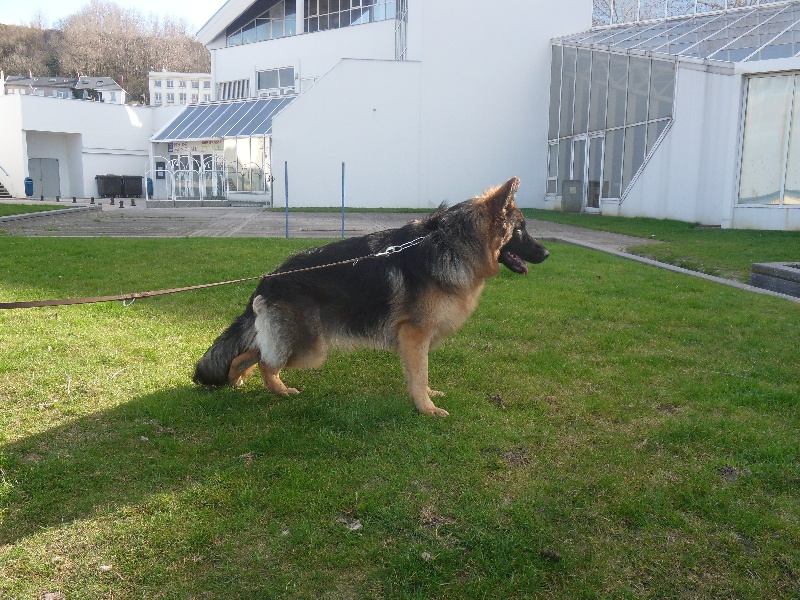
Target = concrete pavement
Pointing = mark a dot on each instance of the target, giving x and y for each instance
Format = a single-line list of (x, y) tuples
[(82, 219)]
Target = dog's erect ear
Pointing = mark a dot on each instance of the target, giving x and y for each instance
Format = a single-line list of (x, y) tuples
[(499, 197)]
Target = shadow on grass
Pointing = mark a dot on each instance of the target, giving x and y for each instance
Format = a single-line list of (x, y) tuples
[(184, 439)]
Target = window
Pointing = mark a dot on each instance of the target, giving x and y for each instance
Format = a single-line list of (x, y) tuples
[(182, 98), (157, 97), (206, 85), (321, 15), (181, 84), (233, 90), (195, 85), (206, 97), (113, 96), (170, 98), (770, 170), (194, 98), (157, 83), (247, 161), (276, 82), (170, 83), (264, 20), (622, 104)]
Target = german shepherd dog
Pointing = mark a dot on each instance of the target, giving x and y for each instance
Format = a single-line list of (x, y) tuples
[(407, 301)]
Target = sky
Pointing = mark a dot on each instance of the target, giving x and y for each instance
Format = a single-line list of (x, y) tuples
[(21, 12)]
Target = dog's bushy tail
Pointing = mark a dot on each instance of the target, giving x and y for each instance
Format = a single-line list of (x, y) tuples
[(214, 365)]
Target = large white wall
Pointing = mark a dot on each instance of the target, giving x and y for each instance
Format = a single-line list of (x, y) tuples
[(13, 155), (485, 91), (690, 176), (312, 55), (87, 139), (467, 113), (364, 113)]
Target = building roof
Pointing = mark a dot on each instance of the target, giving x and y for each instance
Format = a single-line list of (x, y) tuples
[(80, 83), (756, 33), (218, 120)]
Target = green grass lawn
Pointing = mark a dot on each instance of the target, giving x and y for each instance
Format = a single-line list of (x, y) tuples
[(7, 210), (722, 252), (616, 431)]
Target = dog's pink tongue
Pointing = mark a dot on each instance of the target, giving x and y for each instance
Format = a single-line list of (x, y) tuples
[(518, 261)]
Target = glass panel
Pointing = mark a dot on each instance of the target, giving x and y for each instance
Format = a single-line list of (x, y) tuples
[(567, 91), (617, 88), (243, 158), (635, 138), (579, 159), (625, 11), (652, 10), (287, 77), (638, 85), (563, 164), (552, 160), (555, 92), (792, 193), (583, 73), (229, 148), (764, 144), (679, 7), (654, 131), (249, 33), (599, 91), (268, 79), (612, 163), (256, 164), (662, 90), (595, 168)]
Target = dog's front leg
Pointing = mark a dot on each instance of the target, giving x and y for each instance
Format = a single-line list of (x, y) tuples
[(413, 346)]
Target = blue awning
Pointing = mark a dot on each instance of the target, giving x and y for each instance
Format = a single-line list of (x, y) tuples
[(218, 120)]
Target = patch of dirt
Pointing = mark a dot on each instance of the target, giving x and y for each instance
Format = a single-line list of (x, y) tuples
[(730, 474)]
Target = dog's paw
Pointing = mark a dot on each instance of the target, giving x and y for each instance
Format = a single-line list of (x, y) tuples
[(292, 391), (435, 411)]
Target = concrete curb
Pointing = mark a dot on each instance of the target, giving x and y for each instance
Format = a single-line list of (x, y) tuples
[(45, 213), (673, 268)]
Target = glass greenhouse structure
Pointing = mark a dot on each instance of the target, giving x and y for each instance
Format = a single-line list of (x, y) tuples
[(685, 109)]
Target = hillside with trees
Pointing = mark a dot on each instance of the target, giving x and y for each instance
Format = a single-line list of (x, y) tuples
[(104, 39)]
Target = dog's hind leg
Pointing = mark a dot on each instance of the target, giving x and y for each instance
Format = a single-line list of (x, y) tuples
[(242, 367), (413, 346), (272, 380)]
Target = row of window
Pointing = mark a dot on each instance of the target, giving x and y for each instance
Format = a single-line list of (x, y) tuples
[(181, 98), (321, 15), (611, 12), (264, 20), (272, 19), (182, 84), (606, 113), (271, 82)]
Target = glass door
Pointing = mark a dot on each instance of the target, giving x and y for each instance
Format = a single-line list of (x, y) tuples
[(594, 175)]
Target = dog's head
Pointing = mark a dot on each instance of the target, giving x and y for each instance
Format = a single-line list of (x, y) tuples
[(517, 246)]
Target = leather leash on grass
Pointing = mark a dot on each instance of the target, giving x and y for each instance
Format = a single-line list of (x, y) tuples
[(135, 295)]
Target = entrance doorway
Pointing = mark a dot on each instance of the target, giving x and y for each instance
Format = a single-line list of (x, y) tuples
[(46, 179)]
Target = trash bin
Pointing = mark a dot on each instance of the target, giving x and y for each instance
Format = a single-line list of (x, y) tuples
[(28, 187), (149, 187), (131, 186), (109, 185)]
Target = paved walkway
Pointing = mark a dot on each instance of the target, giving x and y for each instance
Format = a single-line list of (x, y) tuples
[(85, 220)]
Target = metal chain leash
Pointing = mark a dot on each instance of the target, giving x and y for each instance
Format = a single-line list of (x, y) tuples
[(132, 297)]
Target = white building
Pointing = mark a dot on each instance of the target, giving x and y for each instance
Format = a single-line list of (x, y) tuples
[(423, 101), (167, 88), (686, 112), (99, 89), (64, 145), (693, 117)]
